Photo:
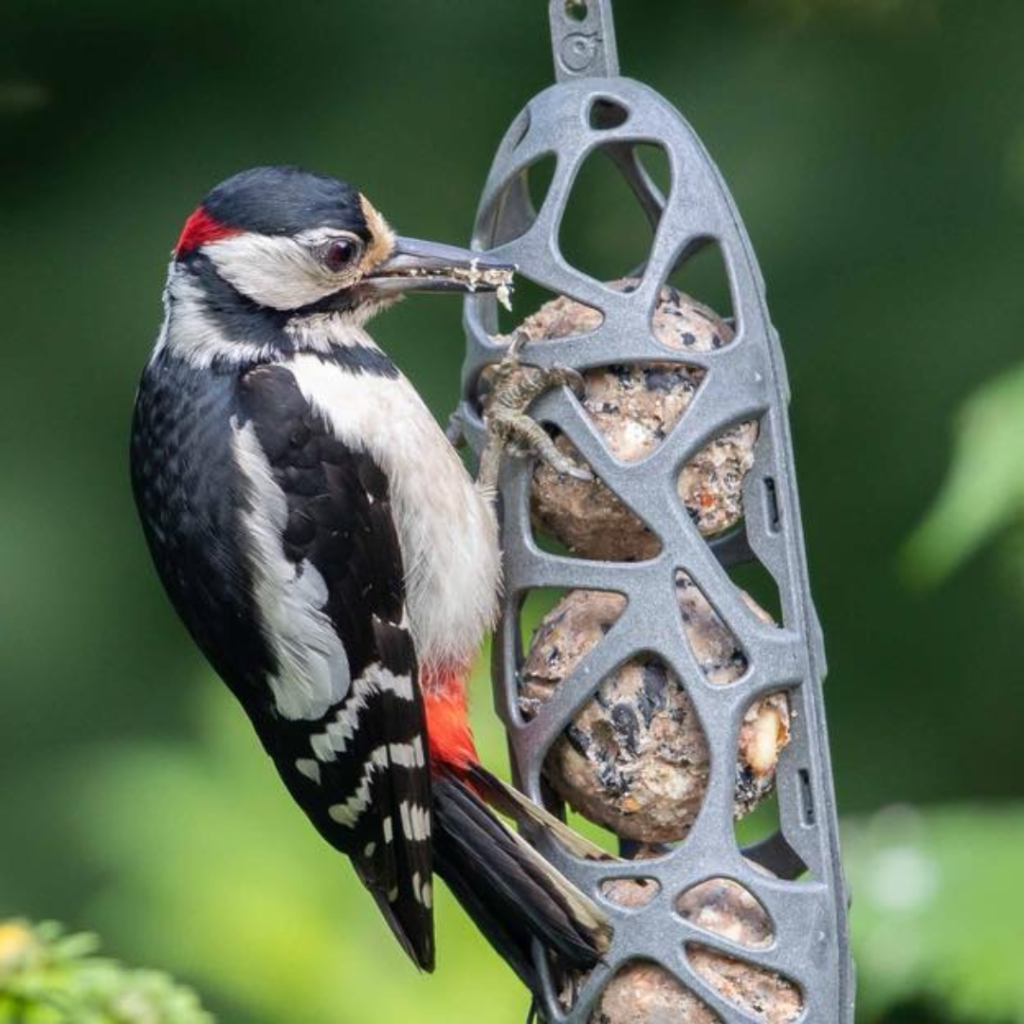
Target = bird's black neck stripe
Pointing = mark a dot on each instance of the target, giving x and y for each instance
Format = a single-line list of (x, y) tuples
[(360, 359), (250, 326)]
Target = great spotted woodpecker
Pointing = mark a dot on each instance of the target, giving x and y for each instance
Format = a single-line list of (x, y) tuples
[(330, 555)]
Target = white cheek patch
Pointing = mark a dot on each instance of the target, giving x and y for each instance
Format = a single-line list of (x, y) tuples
[(278, 272)]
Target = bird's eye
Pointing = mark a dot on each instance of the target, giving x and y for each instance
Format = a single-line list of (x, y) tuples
[(341, 253)]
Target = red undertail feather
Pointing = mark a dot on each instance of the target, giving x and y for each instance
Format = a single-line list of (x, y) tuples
[(450, 736), (512, 893)]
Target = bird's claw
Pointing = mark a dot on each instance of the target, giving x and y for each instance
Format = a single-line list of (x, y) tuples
[(515, 348), (578, 472), (567, 377), (511, 430)]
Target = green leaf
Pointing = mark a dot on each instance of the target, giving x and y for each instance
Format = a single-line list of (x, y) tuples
[(984, 491), (47, 977), (938, 909)]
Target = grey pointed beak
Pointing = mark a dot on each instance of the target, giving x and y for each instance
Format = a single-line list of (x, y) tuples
[(417, 266)]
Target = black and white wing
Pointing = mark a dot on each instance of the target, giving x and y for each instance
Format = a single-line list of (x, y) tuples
[(347, 729)]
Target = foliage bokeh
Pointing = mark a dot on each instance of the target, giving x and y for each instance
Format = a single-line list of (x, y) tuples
[(876, 150), (49, 977)]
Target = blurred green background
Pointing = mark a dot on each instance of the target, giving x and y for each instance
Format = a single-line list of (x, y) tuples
[(876, 150)]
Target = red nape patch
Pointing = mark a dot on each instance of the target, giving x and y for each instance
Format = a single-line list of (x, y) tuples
[(447, 711), (199, 229)]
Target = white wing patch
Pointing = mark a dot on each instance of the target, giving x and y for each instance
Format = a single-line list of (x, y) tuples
[(313, 671)]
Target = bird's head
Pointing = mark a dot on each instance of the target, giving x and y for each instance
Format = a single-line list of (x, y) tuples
[(298, 245)]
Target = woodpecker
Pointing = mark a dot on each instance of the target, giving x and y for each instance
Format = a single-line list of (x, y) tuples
[(330, 555)]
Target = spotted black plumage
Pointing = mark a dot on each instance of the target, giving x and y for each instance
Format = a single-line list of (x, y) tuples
[(188, 495), (339, 524)]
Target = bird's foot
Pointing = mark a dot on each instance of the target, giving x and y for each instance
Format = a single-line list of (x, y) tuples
[(510, 429)]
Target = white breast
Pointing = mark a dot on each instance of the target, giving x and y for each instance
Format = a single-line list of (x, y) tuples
[(447, 530)]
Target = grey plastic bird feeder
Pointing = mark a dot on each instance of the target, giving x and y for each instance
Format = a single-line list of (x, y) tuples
[(795, 874)]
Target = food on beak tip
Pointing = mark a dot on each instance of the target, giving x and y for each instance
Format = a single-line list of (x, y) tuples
[(471, 278), (418, 265), (496, 279)]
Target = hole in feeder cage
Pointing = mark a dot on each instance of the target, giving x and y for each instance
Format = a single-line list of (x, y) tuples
[(760, 823), (634, 758), (551, 544), (724, 907), (605, 231), (764, 734), (645, 168), (519, 128), (538, 176), (807, 812), (517, 205), (586, 517), (558, 630), (701, 274), (715, 647), (759, 585), (576, 10), (771, 499), (763, 994), (711, 483), (597, 834), (655, 163), (535, 608), (630, 892), (759, 836), (607, 113), (642, 992)]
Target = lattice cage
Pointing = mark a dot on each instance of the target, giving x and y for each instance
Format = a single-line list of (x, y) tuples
[(793, 873)]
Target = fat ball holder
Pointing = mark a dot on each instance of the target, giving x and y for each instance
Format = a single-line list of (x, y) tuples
[(796, 873)]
